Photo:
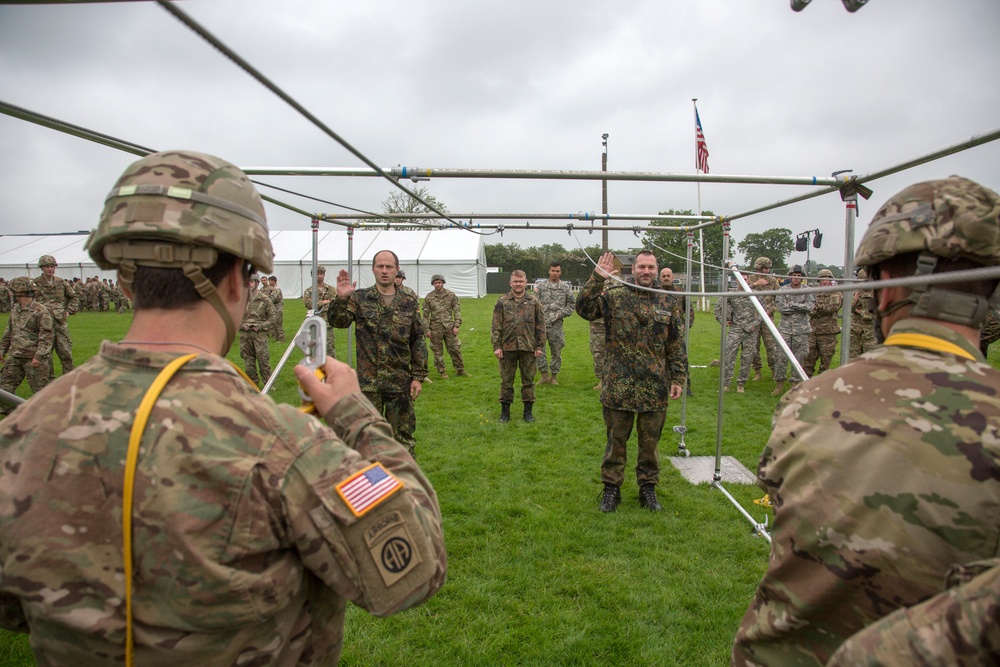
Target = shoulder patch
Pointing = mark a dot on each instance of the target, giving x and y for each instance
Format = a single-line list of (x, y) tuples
[(367, 488)]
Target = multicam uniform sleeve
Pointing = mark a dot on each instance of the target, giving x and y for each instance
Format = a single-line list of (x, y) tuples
[(7, 337), (456, 312), (364, 519), (960, 626), (72, 299), (46, 335)]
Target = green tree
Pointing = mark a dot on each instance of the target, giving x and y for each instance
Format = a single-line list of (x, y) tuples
[(506, 256), (670, 247), (775, 244)]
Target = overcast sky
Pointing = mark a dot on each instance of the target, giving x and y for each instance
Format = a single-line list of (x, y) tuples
[(513, 85)]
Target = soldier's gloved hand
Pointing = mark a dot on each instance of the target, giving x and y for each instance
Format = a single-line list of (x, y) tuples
[(341, 381)]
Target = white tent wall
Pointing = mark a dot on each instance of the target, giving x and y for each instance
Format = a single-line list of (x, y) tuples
[(460, 256)]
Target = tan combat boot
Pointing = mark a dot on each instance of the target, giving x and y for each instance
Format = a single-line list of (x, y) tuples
[(779, 390), (739, 389), (545, 379), (598, 385), (757, 376), (552, 379)]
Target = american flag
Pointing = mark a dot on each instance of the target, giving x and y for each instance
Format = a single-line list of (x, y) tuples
[(700, 147), (365, 489)]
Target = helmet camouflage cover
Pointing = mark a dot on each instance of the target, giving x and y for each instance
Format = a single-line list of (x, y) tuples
[(167, 205), (436, 277), (47, 260), (952, 218), (825, 273), (762, 263), (22, 285)]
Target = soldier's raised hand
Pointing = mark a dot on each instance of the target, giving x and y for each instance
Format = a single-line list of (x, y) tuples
[(345, 288), (606, 265)]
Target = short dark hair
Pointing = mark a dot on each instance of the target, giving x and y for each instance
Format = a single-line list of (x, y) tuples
[(645, 252), (553, 264), (170, 289), (382, 251)]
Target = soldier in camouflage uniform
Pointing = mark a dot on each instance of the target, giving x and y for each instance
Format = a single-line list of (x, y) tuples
[(6, 297), (392, 355), (325, 294), (56, 294), (26, 343), (794, 327), (400, 279), (258, 321), (960, 626), (443, 313), (517, 335), (743, 321), (667, 283), (248, 532), (825, 326), (643, 367), (862, 326), (558, 302), (278, 299), (884, 472), (764, 281)]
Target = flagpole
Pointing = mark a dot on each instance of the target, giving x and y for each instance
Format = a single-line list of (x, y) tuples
[(703, 301)]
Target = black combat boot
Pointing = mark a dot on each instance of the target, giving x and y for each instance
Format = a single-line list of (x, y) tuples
[(647, 498), (504, 413), (610, 498), (528, 417)]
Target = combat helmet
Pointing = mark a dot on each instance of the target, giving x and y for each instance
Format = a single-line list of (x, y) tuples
[(47, 260), (22, 285), (797, 269), (825, 273), (180, 209), (952, 218), (762, 263), (437, 276)]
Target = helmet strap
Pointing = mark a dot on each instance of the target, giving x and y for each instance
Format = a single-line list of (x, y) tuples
[(207, 291)]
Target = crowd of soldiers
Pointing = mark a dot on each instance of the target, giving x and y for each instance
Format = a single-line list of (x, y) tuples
[(865, 568)]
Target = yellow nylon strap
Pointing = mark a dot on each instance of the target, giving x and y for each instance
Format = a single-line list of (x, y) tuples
[(928, 343), (131, 459)]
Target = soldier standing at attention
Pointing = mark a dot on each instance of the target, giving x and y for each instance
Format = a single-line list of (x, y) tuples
[(325, 294), (26, 343), (825, 326), (6, 297), (794, 327), (443, 313), (862, 324), (278, 299), (764, 281), (743, 321), (644, 366), (557, 301), (518, 338), (258, 321), (392, 355), (400, 279), (884, 472), (667, 283), (249, 525), (60, 298)]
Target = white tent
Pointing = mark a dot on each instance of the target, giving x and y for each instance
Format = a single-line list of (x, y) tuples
[(460, 256)]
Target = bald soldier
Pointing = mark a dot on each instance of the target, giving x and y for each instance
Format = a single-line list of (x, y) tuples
[(884, 472), (251, 525)]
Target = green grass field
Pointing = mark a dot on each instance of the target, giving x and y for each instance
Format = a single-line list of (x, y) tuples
[(536, 575)]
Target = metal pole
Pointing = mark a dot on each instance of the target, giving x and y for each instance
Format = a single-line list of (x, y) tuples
[(851, 204), (723, 289), (350, 276), (604, 193), (688, 305)]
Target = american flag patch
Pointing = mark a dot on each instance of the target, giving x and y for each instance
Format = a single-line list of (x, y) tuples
[(366, 489)]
